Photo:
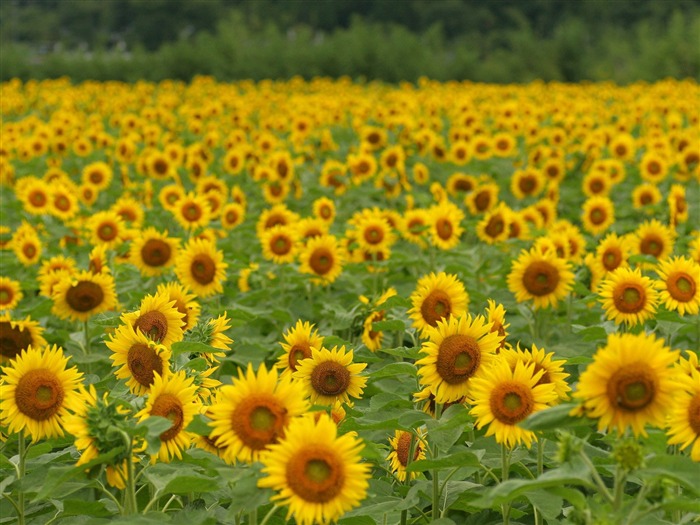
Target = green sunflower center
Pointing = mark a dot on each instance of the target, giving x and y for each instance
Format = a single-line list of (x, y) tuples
[(316, 474)]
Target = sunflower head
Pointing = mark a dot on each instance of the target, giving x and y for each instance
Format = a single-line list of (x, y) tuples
[(541, 277), (330, 375), (437, 297)]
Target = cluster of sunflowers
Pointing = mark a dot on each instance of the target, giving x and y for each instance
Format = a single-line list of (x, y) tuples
[(146, 225)]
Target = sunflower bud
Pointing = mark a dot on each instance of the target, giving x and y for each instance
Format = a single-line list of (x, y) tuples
[(629, 455), (569, 446)]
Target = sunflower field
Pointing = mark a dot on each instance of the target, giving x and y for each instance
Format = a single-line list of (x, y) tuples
[(324, 301)]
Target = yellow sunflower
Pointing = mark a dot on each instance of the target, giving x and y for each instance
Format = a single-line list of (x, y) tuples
[(553, 369), (437, 296), (653, 238), (684, 416), (83, 295), (482, 199), (653, 167), (612, 253), (503, 396), (139, 357), (217, 338), (16, 336), (232, 215), (130, 210), (254, 412), (64, 203), (173, 398), (494, 227), (35, 195), (415, 226), (496, 318), (541, 277), (323, 258), (401, 445), (152, 252), (330, 375), (278, 214), (316, 472), (628, 296), (184, 302), (629, 384), (157, 318), (297, 345), (527, 183), (201, 267), (457, 348), (170, 195), (324, 209), (444, 226), (598, 214), (98, 175), (27, 249), (373, 231), (192, 211), (97, 260), (645, 195), (106, 228), (279, 244), (678, 204), (10, 293), (679, 285), (37, 391), (311, 227)]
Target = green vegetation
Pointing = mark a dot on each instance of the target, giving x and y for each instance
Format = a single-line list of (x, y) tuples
[(506, 41)]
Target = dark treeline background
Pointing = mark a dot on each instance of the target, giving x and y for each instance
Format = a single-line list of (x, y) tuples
[(392, 40)]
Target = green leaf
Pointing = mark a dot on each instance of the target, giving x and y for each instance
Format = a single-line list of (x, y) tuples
[(445, 432), (460, 459), (199, 425), (395, 369), (151, 428), (676, 468), (554, 418), (547, 503), (171, 478), (80, 507), (393, 325), (192, 347)]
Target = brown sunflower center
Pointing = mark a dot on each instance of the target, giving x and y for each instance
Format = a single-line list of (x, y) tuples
[(170, 407), (596, 186), (203, 269), (527, 184), (694, 414), (541, 278), (464, 185), (482, 200), (511, 402), (612, 258), (84, 296), (630, 298), (39, 394), (652, 245), (143, 362), (632, 388), (444, 228), (192, 212), (153, 324), (374, 234), (316, 474), (330, 378), (37, 198), (299, 351), (321, 261), (259, 421), (325, 212), (29, 250), (598, 216), (96, 177), (160, 166), (545, 378), (13, 340), (403, 448), (681, 286), (280, 245), (231, 217), (495, 226), (436, 306), (458, 358), (62, 203), (107, 231), (155, 252), (654, 168)]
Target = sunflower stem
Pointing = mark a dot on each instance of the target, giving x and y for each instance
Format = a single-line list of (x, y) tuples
[(130, 504), (619, 488), (269, 515), (597, 479), (436, 491), (253, 517), (22, 452), (505, 468)]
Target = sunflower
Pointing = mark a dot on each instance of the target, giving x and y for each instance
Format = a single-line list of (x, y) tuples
[(421, 173), (324, 209), (460, 183), (157, 318), (173, 398), (653, 238), (316, 472), (139, 357), (496, 318), (170, 195), (16, 336), (279, 244), (541, 277), (63, 203), (684, 416), (645, 195), (373, 136), (27, 248), (299, 340), (97, 260), (373, 339), (323, 258), (310, 227), (152, 252), (35, 195), (612, 253), (628, 296), (278, 214), (527, 183), (232, 215), (678, 204), (459, 152), (98, 175), (329, 376), (679, 285), (254, 413), (482, 199), (373, 231), (415, 225), (596, 183), (494, 227), (444, 226), (37, 391), (201, 267), (598, 214), (503, 396), (192, 211), (217, 338), (437, 296), (653, 167), (83, 295), (622, 147), (10, 293), (457, 348), (106, 228), (401, 445), (553, 369), (130, 210), (629, 384), (184, 302)]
